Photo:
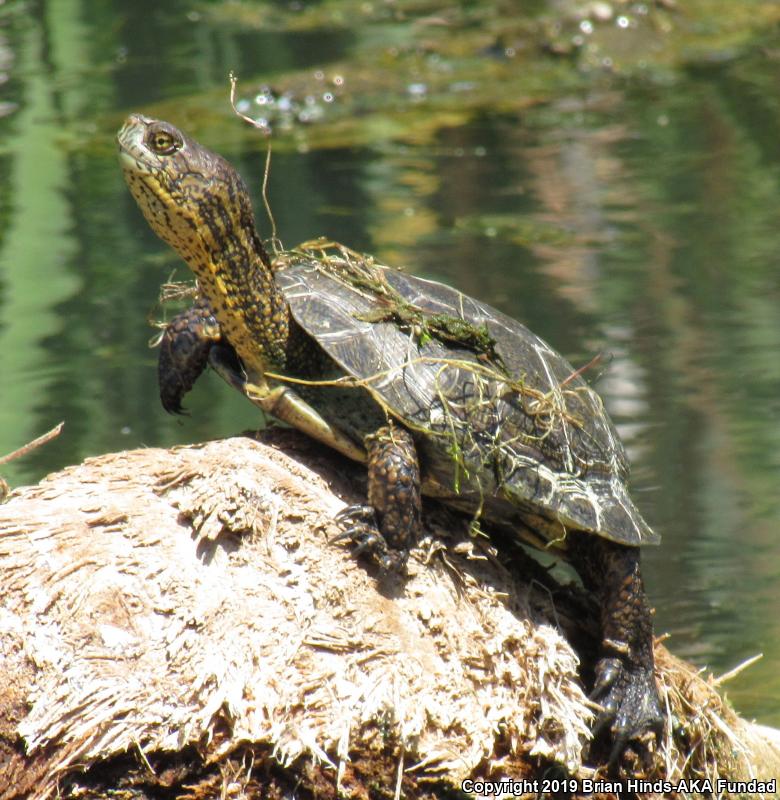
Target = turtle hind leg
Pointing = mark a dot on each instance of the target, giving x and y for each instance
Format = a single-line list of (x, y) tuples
[(389, 526), (624, 683)]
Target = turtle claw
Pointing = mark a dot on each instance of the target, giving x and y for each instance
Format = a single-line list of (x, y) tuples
[(363, 533), (354, 514), (607, 673), (629, 702)]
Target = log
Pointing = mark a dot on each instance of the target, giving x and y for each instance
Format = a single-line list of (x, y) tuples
[(177, 620)]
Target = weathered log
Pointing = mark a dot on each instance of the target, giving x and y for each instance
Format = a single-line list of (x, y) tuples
[(176, 619)]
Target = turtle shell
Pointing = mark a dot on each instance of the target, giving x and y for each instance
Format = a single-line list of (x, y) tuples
[(507, 424)]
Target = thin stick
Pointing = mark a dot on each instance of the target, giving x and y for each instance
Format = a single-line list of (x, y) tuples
[(577, 372), (261, 126), (732, 673), (399, 776), (35, 443), (275, 242)]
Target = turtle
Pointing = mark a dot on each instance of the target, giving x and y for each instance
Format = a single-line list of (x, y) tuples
[(439, 394)]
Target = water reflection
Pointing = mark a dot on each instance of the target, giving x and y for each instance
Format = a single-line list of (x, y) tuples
[(636, 218)]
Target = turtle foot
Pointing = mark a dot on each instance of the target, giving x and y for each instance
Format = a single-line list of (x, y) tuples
[(389, 526), (631, 710), (360, 528), (624, 684), (184, 352)]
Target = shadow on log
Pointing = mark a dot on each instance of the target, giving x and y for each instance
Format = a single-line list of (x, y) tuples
[(174, 623)]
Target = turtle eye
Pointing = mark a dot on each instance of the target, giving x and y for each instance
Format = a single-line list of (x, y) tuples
[(163, 142)]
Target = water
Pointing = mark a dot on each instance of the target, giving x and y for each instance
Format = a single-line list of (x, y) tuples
[(633, 215)]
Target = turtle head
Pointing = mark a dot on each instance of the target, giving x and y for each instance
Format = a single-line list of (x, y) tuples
[(196, 202), (193, 199)]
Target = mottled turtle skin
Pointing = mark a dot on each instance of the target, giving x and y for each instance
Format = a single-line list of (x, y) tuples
[(508, 430)]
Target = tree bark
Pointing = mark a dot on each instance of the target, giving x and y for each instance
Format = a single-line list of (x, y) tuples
[(176, 620)]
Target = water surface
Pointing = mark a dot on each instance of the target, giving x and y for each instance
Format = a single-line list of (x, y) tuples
[(617, 201)]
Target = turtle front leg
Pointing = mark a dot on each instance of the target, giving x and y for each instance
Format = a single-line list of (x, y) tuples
[(184, 352), (624, 682), (390, 525)]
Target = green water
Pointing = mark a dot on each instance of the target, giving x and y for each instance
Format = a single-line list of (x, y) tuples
[(613, 186)]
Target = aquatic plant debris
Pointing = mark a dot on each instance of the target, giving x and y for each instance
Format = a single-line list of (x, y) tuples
[(362, 272)]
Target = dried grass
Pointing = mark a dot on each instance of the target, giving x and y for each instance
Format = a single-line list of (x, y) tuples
[(704, 738), (168, 596)]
